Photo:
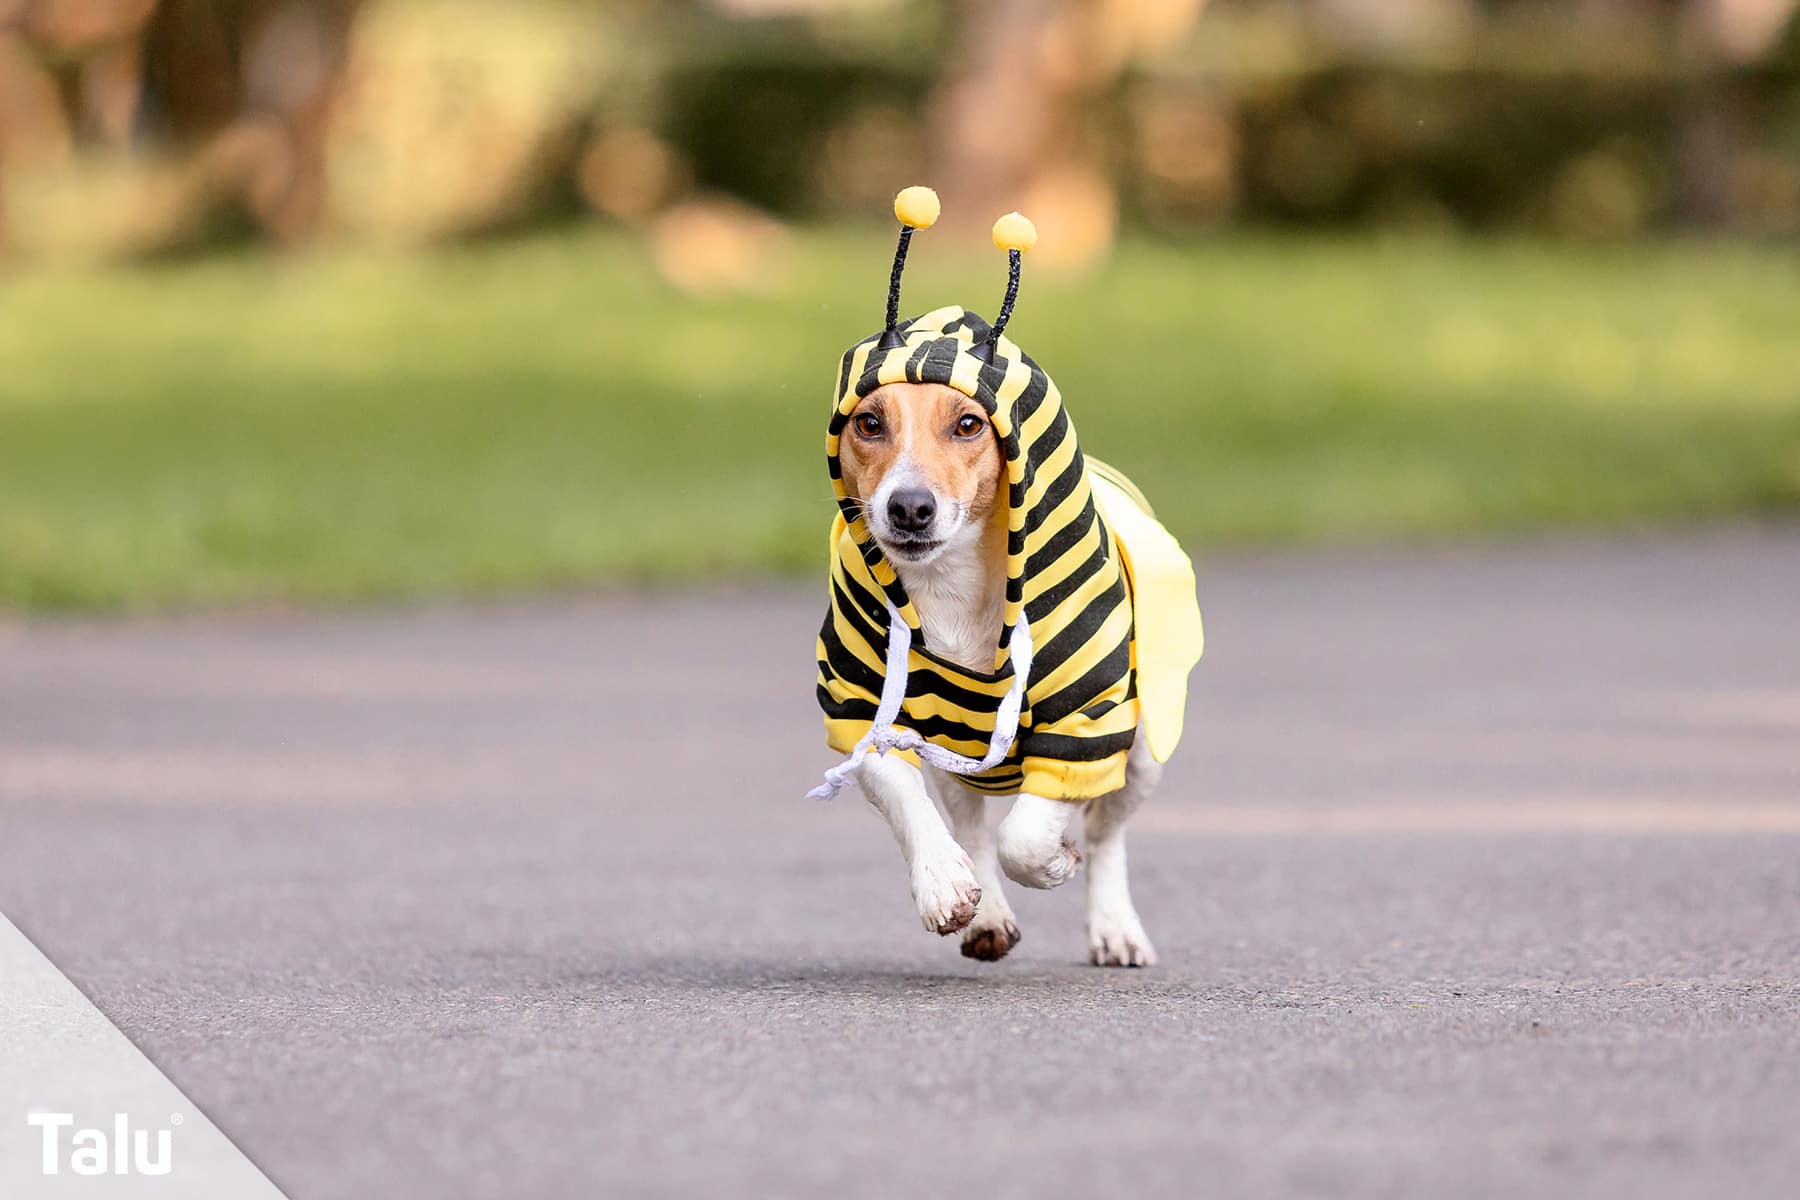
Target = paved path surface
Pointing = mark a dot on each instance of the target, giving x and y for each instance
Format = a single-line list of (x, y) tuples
[(1479, 875)]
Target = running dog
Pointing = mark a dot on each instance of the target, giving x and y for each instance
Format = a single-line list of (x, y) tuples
[(1006, 618)]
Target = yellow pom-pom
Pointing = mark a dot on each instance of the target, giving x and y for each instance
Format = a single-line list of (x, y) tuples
[(916, 206), (1015, 231)]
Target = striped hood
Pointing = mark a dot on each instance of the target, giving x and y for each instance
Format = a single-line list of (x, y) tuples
[(1065, 584)]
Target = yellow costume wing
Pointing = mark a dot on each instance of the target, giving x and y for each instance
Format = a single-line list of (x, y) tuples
[(1169, 637)]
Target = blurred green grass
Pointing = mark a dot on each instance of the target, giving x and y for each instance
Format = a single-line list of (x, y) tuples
[(546, 412)]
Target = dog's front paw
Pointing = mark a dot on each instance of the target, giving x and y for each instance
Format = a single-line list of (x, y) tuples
[(1117, 939), (944, 887), (1033, 844)]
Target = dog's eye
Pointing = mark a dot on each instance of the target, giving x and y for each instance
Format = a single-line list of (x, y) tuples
[(968, 425), (868, 424)]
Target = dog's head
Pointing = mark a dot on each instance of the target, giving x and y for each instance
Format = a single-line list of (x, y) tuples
[(924, 465)]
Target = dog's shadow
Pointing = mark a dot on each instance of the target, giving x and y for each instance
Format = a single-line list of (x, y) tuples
[(890, 981)]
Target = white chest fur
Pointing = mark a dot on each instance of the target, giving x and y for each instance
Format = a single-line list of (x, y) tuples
[(961, 600)]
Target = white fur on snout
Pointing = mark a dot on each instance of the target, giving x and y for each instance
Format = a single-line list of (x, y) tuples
[(945, 522)]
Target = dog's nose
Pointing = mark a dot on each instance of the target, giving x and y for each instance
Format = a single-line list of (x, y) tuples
[(911, 509)]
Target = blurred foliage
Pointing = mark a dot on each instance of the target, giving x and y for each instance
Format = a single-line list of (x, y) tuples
[(547, 411), (187, 426), (460, 113), (133, 126)]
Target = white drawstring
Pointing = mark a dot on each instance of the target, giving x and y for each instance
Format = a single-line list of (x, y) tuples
[(883, 736)]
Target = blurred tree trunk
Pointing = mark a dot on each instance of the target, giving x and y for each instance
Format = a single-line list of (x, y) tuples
[(92, 51), (240, 90), (1017, 113), (996, 108), (1715, 134), (1707, 148), (254, 83)]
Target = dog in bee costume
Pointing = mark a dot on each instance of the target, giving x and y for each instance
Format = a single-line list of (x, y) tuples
[(1006, 617)]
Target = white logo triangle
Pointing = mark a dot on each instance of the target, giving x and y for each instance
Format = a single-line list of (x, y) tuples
[(84, 1113)]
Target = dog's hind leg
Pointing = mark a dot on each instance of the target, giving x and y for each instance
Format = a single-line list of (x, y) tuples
[(994, 930), (943, 878), (1116, 937)]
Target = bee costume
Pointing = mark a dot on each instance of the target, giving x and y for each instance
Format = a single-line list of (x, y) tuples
[(1101, 624)]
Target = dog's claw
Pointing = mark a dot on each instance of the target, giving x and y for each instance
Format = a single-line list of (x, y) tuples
[(946, 893), (1118, 940), (960, 914)]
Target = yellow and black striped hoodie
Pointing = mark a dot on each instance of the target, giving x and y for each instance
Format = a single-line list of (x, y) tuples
[(1069, 596)]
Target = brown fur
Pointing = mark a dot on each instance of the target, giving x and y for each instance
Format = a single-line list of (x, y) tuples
[(923, 417)]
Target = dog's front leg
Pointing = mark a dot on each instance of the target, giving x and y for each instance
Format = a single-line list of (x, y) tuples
[(1035, 847), (995, 930), (943, 878)]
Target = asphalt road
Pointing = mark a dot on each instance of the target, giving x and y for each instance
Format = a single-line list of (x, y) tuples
[(1479, 874)]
